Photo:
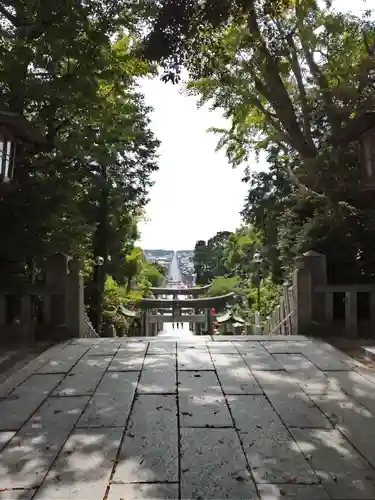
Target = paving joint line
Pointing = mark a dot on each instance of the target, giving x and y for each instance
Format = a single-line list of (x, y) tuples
[(179, 489), (135, 397), (249, 469)]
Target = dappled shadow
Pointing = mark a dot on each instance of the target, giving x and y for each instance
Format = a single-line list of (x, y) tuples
[(256, 421)]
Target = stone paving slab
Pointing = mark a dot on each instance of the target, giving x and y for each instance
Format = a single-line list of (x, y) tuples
[(127, 361), (83, 468), (116, 383), (234, 375), (149, 451), (324, 360), (342, 471), (353, 420), (261, 361), (5, 437), (158, 381), (25, 399), (31, 368), (162, 348), (104, 349), (222, 348), (28, 456), (160, 362), (292, 492), (143, 491), (17, 494), (287, 347), (357, 386), (84, 377), (306, 374), (194, 360), (110, 405), (65, 362), (270, 449), (213, 466), (202, 403), (250, 347)]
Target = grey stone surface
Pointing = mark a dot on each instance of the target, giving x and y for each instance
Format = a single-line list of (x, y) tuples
[(32, 367), (194, 360), (111, 402), (55, 414), (222, 348), (84, 377), (133, 347), (270, 449), (287, 347), (143, 491), (357, 386), (202, 403), (234, 375), (150, 449), (354, 421), (160, 362), (258, 338), (126, 360), (28, 456), (25, 399), (324, 359), (65, 361), (342, 471), (188, 346), (104, 349), (83, 467), (249, 347), (158, 381), (306, 374), (17, 494), (5, 437), (213, 466), (162, 348), (261, 361), (292, 492)]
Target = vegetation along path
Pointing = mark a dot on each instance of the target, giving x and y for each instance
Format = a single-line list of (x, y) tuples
[(254, 418)]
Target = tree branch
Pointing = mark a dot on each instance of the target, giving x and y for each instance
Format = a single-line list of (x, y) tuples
[(302, 92), (276, 92), (11, 18)]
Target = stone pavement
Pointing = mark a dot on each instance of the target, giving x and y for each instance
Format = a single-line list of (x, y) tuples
[(266, 418)]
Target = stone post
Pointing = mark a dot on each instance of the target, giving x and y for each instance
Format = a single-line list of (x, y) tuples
[(74, 301), (303, 297), (56, 284), (351, 323)]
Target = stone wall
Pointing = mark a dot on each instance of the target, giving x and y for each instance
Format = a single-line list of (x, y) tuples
[(53, 309)]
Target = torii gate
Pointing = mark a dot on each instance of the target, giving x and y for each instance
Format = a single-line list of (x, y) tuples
[(153, 322)]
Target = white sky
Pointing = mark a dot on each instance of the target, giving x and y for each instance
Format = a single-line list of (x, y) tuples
[(196, 191)]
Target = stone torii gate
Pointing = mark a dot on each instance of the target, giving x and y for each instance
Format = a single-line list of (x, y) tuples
[(180, 309)]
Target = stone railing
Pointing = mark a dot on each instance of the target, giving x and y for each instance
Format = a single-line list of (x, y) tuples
[(89, 330), (282, 321), (48, 310)]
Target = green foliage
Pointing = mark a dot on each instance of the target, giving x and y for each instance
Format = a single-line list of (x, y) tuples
[(114, 296), (269, 297), (288, 82), (223, 285), (69, 68)]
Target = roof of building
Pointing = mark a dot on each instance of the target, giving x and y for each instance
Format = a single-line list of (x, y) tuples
[(21, 127), (200, 303), (179, 291)]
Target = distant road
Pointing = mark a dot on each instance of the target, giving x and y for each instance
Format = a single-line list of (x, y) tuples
[(174, 273)]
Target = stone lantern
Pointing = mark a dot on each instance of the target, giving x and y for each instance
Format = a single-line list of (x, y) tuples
[(362, 130), (14, 130)]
